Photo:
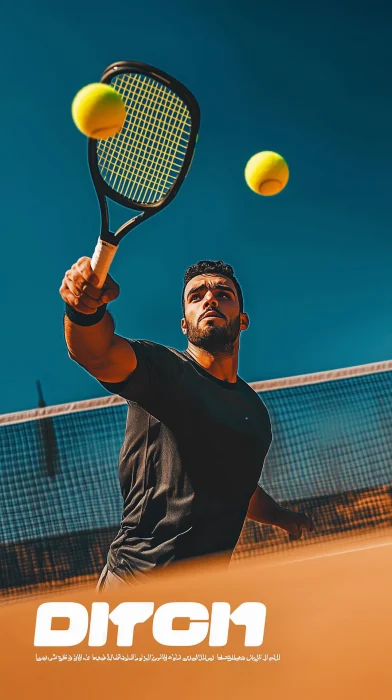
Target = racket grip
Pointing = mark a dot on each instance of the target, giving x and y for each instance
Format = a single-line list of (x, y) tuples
[(102, 259)]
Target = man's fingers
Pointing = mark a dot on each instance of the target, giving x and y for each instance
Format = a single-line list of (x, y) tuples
[(78, 303), (298, 534), (77, 298), (83, 267), (111, 284), (308, 523), (302, 521), (110, 290), (109, 295), (83, 297), (79, 287), (84, 278)]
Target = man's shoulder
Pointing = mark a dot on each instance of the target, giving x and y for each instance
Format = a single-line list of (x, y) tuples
[(158, 368), (152, 348)]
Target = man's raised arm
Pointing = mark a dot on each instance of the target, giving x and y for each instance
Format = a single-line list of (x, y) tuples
[(89, 329)]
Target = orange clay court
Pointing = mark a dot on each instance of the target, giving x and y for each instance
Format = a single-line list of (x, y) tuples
[(329, 612)]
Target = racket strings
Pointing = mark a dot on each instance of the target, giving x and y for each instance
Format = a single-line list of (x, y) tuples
[(139, 135), (169, 144), (144, 159), (143, 163), (126, 145)]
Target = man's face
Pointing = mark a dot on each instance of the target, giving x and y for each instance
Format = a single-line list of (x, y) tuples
[(212, 313)]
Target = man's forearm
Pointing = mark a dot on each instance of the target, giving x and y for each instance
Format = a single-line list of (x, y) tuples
[(87, 345), (263, 509)]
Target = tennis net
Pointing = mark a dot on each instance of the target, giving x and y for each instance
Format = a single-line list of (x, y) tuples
[(60, 497)]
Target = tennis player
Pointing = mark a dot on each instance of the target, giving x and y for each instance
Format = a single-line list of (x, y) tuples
[(196, 435)]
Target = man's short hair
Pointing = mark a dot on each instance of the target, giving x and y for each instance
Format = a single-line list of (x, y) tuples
[(216, 267)]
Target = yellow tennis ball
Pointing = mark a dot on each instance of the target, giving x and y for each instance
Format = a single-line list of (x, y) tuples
[(98, 111), (266, 173)]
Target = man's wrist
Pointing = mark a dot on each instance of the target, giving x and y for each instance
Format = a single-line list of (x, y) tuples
[(85, 319), (278, 515), (283, 513)]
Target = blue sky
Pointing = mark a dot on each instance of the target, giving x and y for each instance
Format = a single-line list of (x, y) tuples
[(308, 80)]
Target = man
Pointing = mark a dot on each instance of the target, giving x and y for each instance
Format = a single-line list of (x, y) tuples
[(196, 435)]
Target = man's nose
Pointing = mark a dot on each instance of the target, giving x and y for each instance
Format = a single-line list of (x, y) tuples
[(209, 299)]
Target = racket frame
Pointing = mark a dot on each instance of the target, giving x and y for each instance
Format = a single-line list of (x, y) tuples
[(103, 190)]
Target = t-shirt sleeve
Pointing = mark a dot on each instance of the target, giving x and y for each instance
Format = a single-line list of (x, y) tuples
[(157, 373)]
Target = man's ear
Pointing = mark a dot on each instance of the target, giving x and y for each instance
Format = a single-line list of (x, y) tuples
[(183, 326), (244, 322)]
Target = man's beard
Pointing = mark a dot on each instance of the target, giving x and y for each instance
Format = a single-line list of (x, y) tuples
[(218, 340)]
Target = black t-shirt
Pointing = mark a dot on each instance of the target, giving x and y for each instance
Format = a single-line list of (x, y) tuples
[(193, 453)]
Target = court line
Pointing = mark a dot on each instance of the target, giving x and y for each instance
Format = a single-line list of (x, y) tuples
[(329, 554)]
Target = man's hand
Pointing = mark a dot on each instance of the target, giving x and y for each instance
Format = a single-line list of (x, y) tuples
[(294, 523), (97, 348), (79, 288), (263, 509)]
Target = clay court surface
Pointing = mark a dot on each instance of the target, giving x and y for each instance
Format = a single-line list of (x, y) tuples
[(329, 615)]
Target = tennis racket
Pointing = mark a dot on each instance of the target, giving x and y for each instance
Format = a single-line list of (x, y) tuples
[(144, 165)]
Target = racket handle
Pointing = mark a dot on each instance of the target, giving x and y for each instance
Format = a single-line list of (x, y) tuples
[(102, 259)]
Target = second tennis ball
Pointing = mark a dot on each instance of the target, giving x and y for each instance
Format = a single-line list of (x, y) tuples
[(98, 111), (266, 173)]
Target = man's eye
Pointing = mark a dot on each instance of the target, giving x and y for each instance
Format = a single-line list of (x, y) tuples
[(224, 294), (195, 296)]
